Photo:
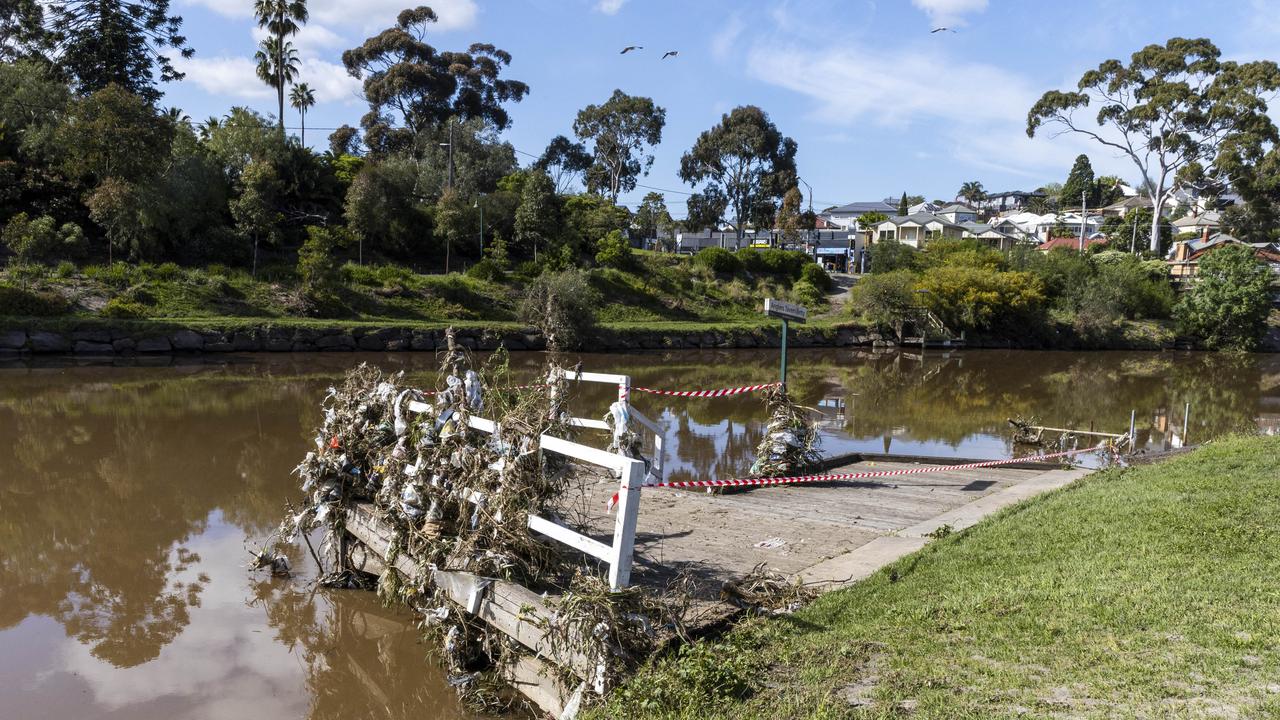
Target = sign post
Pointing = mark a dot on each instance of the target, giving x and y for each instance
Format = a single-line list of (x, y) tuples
[(787, 312)]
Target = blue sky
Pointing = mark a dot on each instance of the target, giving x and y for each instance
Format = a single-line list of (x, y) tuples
[(878, 104)]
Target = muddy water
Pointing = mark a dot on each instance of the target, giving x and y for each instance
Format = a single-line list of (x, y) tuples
[(128, 496)]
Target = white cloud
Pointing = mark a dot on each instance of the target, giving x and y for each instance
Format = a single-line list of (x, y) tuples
[(364, 15), (915, 90), (726, 39), (610, 7), (310, 40), (949, 13), (236, 77)]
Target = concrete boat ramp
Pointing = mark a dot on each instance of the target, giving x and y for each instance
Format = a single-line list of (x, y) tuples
[(828, 534)]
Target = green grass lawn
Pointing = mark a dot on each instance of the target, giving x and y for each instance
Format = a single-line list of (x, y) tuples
[(1147, 592)]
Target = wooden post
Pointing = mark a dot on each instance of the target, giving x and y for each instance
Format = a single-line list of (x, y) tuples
[(1133, 428), (624, 528), (1186, 417)]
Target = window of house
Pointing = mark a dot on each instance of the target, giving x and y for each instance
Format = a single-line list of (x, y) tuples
[(886, 234)]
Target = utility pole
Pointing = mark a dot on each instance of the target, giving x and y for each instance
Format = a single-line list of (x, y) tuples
[(1133, 241), (810, 188), (449, 182), (1083, 216), (481, 208)]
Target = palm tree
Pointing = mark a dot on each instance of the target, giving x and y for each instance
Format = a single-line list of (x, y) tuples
[(176, 116), (207, 127), (302, 97), (277, 66), (972, 192), (281, 18)]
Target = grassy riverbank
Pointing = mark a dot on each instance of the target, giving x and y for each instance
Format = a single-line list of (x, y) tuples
[(1145, 592)]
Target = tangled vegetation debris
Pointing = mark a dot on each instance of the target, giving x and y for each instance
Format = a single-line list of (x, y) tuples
[(767, 591), (790, 439), (457, 499)]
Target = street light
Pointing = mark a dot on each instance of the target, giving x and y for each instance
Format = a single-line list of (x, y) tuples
[(450, 146)]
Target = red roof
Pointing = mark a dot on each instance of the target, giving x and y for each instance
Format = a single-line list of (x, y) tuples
[(1072, 243)]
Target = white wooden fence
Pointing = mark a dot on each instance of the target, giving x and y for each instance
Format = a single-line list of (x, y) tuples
[(631, 471)]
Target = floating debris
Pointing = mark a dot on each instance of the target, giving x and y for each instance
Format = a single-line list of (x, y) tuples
[(276, 562), (764, 590)]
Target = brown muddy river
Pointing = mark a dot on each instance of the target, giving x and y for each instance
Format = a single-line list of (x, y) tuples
[(128, 497)]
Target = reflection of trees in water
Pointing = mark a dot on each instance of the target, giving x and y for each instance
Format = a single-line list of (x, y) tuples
[(104, 487), (361, 660)]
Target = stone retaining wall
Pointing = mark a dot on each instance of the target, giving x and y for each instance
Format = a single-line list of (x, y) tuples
[(102, 341)]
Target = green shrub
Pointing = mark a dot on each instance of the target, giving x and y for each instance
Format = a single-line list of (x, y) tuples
[(807, 294), (1227, 307), (167, 271), (614, 251), (18, 302), (118, 275), (39, 240), (891, 255), (751, 260), (974, 298), (718, 260), (319, 274), (784, 263), (487, 269), (562, 305), (65, 269), (123, 308), (884, 299), (967, 253), (815, 275)]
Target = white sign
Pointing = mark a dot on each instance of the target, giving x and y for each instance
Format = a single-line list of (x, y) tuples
[(785, 310)]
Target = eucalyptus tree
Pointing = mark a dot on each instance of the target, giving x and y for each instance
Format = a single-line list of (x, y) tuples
[(100, 43), (620, 129), (745, 159), (276, 57), (407, 81), (302, 98), (1184, 117), (565, 161)]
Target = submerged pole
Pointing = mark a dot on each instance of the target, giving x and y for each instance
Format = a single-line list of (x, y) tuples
[(1186, 417), (1133, 426)]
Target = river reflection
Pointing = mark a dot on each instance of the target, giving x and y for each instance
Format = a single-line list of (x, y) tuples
[(127, 495)]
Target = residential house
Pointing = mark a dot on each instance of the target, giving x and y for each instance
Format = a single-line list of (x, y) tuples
[(1184, 258), (1043, 226), (1124, 206), (1203, 224), (1070, 243), (958, 214), (991, 235), (845, 216), (924, 207), (917, 230), (1008, 200)]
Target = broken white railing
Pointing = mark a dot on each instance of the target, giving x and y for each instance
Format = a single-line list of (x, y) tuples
[(631, 471)]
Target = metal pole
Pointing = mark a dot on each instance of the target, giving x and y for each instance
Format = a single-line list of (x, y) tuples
[(1133, 427), (451, 153), (1133, 241), (481, 229), (784, 351), (1083, 195), (1186, 417)]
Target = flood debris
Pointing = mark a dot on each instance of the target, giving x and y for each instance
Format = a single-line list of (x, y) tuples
[(454, 498), (790, 440), (1026, 432), (766, 591), (276, 562)]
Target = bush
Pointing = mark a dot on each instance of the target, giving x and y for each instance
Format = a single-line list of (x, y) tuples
[(1227, 307), (970, 298), (65, 269), (118, 275), (891, 255), (787, 264), (816, 276), (562, 305), (319, 274), (123, 308), (751, 260), (718, 260), (884, 299), (487, 269), (38, 240), (807, 294), (18, 302), (167, 271), (964, 253), (613, 251)]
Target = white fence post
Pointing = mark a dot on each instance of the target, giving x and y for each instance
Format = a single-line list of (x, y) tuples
[(624, 528)]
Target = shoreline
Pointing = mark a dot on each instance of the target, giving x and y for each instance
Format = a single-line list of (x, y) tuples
[(92, 337)]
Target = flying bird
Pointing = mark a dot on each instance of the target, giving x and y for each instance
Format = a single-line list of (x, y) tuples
[(670, 53), (941, 29), (629, 48)]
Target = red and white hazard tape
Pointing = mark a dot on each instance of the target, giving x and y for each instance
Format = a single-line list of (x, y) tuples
[(723, 392), (788, 480)]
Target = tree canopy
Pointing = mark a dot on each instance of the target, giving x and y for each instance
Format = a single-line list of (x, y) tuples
[(1179, 113), (408, 80), (747, 160), (620, 130)]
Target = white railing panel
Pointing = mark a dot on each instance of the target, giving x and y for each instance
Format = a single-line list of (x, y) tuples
[(573, 539)]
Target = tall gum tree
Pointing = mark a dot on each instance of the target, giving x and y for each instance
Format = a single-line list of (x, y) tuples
[(1172, 111), (621, 128), (408, 80), (746, 160)]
